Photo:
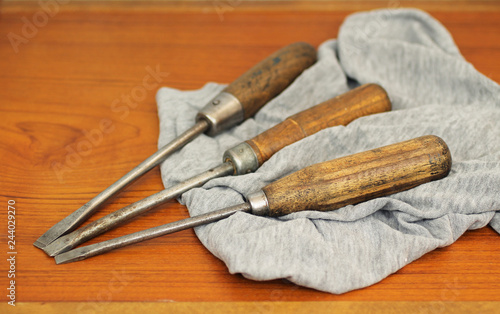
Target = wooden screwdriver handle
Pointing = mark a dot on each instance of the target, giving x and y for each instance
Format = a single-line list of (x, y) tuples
[(360, 177), (271, 76), (341, 110)]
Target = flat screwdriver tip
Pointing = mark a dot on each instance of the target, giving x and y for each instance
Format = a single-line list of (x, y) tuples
[(39, 244), (56, 231), (71, 256), (59, 246), (76, 218)]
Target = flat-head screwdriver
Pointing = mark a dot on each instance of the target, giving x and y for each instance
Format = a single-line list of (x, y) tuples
[(325, 186), (237, 102), (245, 157)]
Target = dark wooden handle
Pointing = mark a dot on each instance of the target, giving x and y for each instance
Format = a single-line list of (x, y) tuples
[(341, 110), (271, 76), (360, 177)]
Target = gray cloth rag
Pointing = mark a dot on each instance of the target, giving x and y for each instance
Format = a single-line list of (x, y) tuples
[(433, 89)]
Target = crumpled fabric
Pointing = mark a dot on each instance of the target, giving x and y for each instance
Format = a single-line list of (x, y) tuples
[(433, 90)]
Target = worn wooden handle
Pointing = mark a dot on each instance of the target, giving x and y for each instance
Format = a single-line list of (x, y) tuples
[(360, 177), (341, 110), (271, 76)]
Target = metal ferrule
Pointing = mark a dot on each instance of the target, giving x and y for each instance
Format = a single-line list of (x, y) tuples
[(222, 112), (258, 202), (242, 157)]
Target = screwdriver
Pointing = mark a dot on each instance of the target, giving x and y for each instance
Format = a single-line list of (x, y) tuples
[(236, 103), (325, 186), (245, 157)]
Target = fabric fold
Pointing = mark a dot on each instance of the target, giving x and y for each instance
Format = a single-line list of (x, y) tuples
[(434, 90)]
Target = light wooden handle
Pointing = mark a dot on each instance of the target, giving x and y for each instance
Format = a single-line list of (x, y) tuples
[(360, 177), (341, 110), (271, 76)]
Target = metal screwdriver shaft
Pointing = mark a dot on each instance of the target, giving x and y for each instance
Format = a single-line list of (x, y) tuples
[(324, 186), (127, 213), (103, 247), (237, 102), (245, 157), (83, 213)]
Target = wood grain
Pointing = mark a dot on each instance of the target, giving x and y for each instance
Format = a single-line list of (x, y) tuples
[(271, 76), (80, 69), (258, 307), (360, 177), (341, 110)]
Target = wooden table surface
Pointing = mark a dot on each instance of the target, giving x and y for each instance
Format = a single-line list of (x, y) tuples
[(64, 73)]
